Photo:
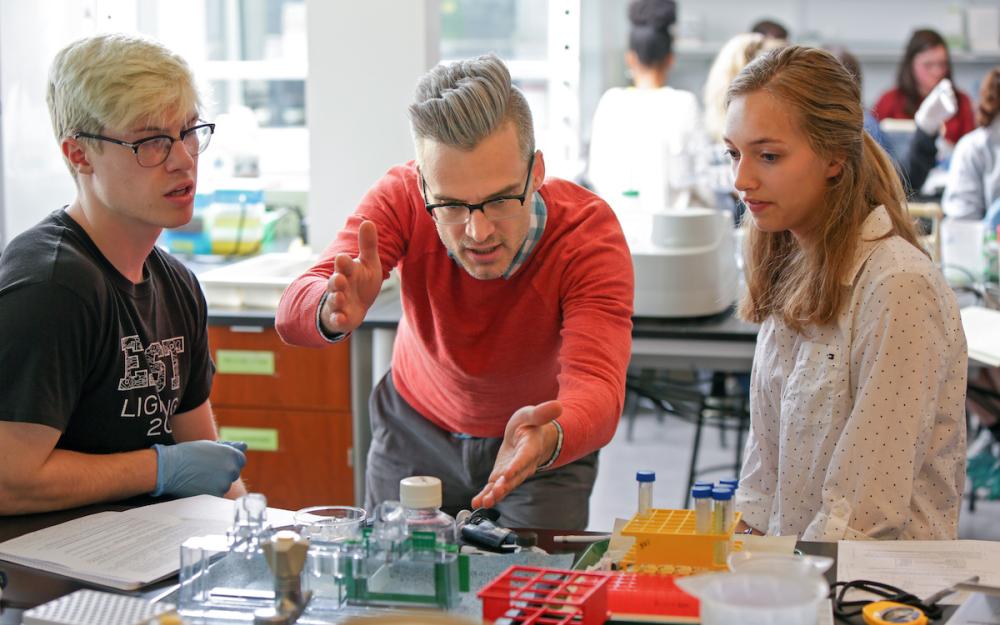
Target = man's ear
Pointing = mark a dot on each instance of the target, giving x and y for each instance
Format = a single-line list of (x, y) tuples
[(538, 176), (76, 156)]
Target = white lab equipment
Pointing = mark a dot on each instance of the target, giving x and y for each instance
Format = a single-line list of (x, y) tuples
[(762, 589), (687, 268), (421, 498), (962, 257)]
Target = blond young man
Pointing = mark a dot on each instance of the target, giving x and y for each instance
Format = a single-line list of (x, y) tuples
[(103, 338)]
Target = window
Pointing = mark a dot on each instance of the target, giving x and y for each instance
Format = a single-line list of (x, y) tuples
[(252, 56), (539, 43)]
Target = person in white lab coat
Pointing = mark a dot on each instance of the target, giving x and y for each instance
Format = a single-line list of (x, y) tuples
[(858, 383), (973, 189), (645, 136)]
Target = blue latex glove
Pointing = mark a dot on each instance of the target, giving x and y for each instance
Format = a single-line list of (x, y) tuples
[(198, 467)]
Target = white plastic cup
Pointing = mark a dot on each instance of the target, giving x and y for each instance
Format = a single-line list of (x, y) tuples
[(762, 589)]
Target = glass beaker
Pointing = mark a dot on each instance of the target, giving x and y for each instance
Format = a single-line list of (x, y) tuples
[(330, 523), (333, 533)]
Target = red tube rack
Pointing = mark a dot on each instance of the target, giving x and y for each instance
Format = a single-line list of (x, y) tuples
[(525, 595), (634, 594)]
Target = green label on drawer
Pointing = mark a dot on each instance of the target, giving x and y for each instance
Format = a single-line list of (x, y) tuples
[(244, 361), (257, 439)]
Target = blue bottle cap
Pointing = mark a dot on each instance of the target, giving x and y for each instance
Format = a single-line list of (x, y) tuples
[(645, 476), (701, 492), (708, 484), (730, 482), (722, 494)]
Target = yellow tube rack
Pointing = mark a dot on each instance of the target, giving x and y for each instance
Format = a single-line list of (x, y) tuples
[(666, 542)]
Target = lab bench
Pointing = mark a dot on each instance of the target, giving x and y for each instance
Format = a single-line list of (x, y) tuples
[(30, 587)]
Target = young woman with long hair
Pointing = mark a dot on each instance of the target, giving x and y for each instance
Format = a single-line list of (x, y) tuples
[(858, 382)]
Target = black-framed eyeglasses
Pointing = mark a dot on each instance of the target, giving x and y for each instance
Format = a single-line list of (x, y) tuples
[(153, 151), (495, 209)]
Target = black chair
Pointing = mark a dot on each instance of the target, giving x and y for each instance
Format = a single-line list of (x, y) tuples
[(703, 402)]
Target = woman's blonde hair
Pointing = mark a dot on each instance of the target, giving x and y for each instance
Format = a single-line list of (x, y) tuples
[(115, 81), (732, 57), (803, 285)]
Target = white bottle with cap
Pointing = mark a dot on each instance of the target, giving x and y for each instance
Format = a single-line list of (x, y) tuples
[(421, 499)]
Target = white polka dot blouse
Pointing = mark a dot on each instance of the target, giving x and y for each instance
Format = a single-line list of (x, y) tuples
[(857, 428)]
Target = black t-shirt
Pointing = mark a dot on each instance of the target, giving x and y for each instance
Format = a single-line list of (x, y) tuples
[(84, 350)]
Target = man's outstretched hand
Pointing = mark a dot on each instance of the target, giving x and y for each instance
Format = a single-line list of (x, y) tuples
[(528, 442), (354, 285)]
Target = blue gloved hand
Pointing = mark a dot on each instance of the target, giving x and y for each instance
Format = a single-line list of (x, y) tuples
[(198, 467)]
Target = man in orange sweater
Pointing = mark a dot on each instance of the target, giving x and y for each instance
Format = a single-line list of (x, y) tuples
[(509, 365)]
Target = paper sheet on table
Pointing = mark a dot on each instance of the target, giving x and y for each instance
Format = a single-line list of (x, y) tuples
[(921, 567), (207, 507), (768, 544), (978, 609), (980, 325), (619, 545), (125, 550)]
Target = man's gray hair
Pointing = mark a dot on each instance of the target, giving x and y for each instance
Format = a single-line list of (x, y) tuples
[(462, 103)]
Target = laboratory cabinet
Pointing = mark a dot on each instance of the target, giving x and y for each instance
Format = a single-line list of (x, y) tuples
[(292, 405)]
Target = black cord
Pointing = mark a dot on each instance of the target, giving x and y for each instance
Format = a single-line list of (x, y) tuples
[(846, 610), (239, 234)]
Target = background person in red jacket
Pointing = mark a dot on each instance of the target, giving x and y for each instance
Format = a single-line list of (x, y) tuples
[(508, 370), (925, 63)]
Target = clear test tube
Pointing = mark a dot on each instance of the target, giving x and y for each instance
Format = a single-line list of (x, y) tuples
[(702, 496), (722, 510), (645, 481)]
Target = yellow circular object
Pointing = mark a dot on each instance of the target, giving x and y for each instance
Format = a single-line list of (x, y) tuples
[(170, 618), (892, 613)]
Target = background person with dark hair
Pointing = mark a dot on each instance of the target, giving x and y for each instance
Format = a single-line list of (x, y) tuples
[(770, 29), (921, 152), (642, 134), (925, 64)]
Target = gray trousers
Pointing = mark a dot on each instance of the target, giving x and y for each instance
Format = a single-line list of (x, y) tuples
[(404, 443)]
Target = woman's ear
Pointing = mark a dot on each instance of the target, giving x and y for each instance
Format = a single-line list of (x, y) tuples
[(76, 156), (834, 167)]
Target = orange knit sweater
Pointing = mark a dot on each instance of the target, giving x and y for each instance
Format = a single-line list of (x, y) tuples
[(470, 352)]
